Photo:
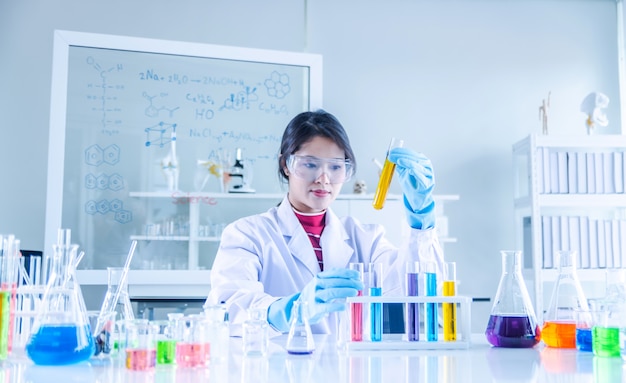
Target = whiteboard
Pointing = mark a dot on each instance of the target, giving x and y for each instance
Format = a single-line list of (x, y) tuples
[(121, 105)]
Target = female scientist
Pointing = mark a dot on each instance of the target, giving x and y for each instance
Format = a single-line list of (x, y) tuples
[(301, 249)]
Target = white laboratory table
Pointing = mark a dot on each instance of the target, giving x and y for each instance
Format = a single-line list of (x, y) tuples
[(479, 363)]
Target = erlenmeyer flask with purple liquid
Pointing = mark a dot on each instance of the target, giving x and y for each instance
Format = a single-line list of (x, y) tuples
[(512, 322)]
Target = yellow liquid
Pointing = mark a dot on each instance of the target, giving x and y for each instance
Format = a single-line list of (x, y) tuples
[(449, 312), (383, 184)]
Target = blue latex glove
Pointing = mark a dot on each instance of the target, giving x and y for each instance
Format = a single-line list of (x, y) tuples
[(416, 176), (320, 293)]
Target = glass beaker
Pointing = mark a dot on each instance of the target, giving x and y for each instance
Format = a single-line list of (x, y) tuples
[(606, 326), (256, 333), (219, 331), (61, 333), (559, 325), (300, 339), (512, 322)]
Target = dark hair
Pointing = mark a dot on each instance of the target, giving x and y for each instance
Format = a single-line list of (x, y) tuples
[(306, 126)]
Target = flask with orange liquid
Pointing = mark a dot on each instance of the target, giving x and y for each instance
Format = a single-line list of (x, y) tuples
[(559, 325)]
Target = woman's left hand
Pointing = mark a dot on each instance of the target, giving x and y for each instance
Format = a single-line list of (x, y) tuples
[(416, 176)]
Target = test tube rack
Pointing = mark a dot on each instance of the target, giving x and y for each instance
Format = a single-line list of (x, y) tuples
[(399, 341)]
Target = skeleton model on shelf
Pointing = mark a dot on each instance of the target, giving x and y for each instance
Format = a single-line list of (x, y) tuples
[(543, 114), (169, 163), (593, 106)]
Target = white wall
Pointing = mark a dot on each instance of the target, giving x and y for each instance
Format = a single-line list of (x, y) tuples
[(459, 80)]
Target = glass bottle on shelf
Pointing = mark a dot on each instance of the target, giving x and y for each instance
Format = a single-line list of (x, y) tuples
[(559, 326), (512, 322), (236, 173)]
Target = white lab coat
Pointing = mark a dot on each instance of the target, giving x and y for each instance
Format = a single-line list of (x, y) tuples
[(264, 257)]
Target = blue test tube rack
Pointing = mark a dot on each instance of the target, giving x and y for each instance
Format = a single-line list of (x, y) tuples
[(400, 341)]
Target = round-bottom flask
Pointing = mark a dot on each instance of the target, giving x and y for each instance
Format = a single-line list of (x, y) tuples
[(512, 322)]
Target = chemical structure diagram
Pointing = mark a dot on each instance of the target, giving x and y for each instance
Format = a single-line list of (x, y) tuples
[(113, 182), (277, 85), (153, 111), (241, 100), (105, 87), (157, 134), (115, 206), (96, 156)]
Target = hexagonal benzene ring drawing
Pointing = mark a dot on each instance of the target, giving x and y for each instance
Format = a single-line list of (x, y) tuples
[(102, 181), (103, 206), (123, 216), (116, 205), (277, 85), (111, 154), (116, 182), (90, 181), (94, 155), (91, 207)]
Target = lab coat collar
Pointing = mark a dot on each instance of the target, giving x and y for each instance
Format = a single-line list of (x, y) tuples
[(336, 252)]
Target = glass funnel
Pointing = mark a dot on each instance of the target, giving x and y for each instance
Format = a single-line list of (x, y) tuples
[(512, 322), (61, 333), (559, 326)]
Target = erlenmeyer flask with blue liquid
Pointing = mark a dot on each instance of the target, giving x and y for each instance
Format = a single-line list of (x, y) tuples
[(61, 334)]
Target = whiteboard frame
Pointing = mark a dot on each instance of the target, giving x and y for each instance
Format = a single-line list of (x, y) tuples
[(63, 40)]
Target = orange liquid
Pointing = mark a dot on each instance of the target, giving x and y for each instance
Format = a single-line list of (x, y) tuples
[(559, 334), (383, 184)]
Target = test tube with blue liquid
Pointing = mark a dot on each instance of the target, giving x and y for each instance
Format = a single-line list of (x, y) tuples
[(356, 309), (430, 278), (376, 309), (412, 309)]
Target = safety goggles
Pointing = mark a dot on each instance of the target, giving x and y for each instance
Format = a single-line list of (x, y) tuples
[(311, 168)]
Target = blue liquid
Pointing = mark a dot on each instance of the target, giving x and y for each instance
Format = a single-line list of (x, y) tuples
[(56, 345), (376, 312), (413, 309), (431, 308), (584, 339)]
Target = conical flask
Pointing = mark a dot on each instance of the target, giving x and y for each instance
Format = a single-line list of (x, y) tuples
[(123, 307), (512, 322), (559, 325), (60, 333), (300, 338)]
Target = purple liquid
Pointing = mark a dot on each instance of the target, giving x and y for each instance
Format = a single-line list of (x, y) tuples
[(512, 331), (413, 309)]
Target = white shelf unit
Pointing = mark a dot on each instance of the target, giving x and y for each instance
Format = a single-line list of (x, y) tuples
[(195, 200), (529, 202), (346, 204)]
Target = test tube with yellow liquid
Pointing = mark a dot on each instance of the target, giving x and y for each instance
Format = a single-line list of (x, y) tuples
[(386, 174), (449, 309)]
